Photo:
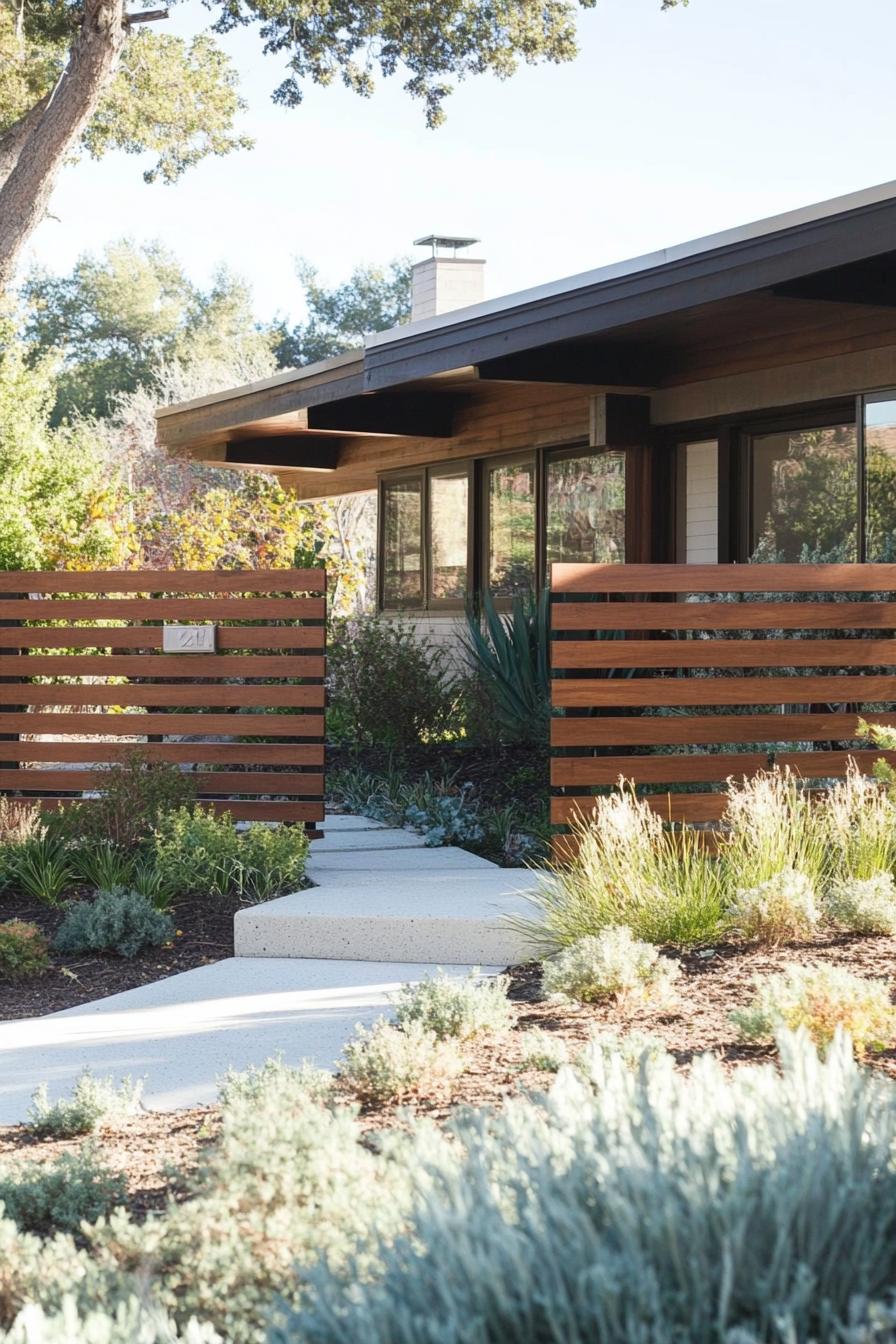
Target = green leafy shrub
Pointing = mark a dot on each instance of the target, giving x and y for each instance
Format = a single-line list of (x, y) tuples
[(41, 867), (276, 1084), (610, 965), (134, 794), (543, 1050), (197, 851), (782, 909), (388, 685), (462, 1009), (608, 1211), (864, 904), (822, 999), (384, 1063), (23, 950), (57, 1196), (628, 869), (119, 921), (95, 1103)]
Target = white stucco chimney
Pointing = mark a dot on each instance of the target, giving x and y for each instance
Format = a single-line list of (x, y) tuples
[(444, 280)]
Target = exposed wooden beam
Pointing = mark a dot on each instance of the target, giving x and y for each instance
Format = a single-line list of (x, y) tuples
[(416, 415), (296, 452), (871, 283), (619, 421), (589, 364)]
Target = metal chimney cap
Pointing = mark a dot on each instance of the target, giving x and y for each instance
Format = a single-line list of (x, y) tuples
[(437, 240)]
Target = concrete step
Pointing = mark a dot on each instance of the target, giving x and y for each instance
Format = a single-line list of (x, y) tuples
[(443, 909), (180, 1034), (342, 839)]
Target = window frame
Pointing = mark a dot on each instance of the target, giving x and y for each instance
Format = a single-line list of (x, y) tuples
[(565, 453), (434, 471), (522, 457), (417, 474)]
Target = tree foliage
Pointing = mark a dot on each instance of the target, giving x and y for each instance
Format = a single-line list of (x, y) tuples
[(60, 506), (117, 317), (373, 298)]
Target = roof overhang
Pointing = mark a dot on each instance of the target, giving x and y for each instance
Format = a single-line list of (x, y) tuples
[(638, 324)]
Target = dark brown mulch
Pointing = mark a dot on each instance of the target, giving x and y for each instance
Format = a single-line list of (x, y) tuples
[(710, 986), (204, 933)]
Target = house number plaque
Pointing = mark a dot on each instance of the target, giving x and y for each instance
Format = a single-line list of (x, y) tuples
[(188, 638)]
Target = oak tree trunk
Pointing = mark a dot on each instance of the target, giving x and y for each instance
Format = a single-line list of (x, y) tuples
[(33, 151)]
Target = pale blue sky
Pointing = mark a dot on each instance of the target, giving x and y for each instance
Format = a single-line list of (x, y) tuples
[(666, 127)]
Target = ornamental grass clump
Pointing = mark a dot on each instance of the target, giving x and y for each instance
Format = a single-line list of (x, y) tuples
[(118, 921), (23, 950), (387, 1063), (861, 823), (610, 965), (782, 909), (95, 1103), (864, 904), (772, 826), (822, 999), (462, 1009), (628, 868)]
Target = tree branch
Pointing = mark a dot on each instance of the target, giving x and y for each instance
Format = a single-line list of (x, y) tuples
[(145, 16), (51, 137)]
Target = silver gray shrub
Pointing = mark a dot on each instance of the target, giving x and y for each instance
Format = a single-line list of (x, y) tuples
[(641, 1206)]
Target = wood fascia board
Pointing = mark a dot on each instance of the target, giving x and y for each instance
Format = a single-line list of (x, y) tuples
[(294, 452), (182, 428)]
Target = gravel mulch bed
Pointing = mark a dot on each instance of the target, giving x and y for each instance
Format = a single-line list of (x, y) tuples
[(204, 933), (710, 986)]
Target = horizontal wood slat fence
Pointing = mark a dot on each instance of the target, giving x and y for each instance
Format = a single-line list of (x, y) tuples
[(248, 719), (651, 663)]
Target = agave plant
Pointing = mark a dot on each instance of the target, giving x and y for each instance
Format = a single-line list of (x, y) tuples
[(510, 654)]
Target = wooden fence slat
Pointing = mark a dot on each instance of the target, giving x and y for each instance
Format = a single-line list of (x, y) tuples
[(163, 581), (705, 767), (610, 578), (670, 691), (211, 609), (295, 724), (696, 653), (223, 781), (149, 637), (675, 807), (612, 616), (241, 809), (91, 752), (707, 729), (190, 665), (198, 696)]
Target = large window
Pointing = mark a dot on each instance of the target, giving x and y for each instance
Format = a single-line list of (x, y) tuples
[(585, 507), (510, 526), (880, 476), (441, 539), (449, 508), (402, 542), (804, 494)]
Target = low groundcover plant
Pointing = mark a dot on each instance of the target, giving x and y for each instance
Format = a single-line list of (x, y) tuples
[(23, 950), (388, 1063), (822, 999), (119, 921), (610, 965), (94, 1103), (781, 909), (456, 1008)]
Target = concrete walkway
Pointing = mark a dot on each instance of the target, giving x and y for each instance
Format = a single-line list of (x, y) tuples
[(308, 968)]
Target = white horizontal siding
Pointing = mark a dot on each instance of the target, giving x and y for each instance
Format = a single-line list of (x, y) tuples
[(701, 503)]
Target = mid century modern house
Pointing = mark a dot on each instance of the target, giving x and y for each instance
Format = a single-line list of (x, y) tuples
[(728, 398)]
